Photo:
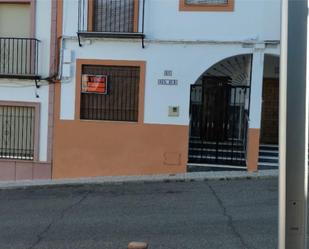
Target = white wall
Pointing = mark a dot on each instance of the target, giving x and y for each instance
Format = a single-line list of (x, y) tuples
[(187, 61), (70, 17), (177, 41), (43, 28), (251, 19)]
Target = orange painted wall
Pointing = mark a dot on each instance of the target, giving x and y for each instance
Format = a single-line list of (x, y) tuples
[(94, 148), (253, 149)]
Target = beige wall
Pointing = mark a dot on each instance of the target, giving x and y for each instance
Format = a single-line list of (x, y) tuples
[(15, 20)]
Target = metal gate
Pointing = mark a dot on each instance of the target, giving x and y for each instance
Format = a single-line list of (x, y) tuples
[(219, 123)]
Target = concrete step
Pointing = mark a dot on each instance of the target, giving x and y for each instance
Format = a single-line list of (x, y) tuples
[(217, 161), (211, 152), (268, 156), (223, 146)]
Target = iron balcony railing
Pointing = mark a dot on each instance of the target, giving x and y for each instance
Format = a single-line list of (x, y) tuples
[(111, 18), (19, 57)]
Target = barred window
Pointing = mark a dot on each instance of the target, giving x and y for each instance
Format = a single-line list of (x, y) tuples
[(210, 2), (17, 124), (113, 16), (113, 95)]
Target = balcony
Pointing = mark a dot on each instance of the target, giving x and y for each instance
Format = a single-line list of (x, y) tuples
[(19, 58), (123, 19)]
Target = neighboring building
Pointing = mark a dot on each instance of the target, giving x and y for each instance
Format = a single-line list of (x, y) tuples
[(130, 67), (27, 64), (145, 86)]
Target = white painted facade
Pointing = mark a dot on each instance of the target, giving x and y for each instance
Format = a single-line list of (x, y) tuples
[(188, 43), (19, 90), (251, 20)]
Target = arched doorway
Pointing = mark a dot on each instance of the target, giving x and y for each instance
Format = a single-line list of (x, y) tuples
[(219, 111)]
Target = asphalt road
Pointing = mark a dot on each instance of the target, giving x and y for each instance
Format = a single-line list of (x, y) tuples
[(240, 214)]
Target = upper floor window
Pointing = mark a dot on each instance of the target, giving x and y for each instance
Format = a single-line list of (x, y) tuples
[(113, 16), (206, 5), (111, 19), (118, 16)]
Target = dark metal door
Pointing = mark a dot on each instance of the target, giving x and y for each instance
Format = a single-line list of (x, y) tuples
[(219, 121)]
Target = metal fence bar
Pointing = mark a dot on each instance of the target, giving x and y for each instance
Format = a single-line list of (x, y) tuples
[(19, 56)]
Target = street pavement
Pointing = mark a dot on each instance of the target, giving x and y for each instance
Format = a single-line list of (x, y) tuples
[(207, 214)]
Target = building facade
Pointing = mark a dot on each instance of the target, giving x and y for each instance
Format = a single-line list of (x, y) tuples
[(152, 86), (27, 63)]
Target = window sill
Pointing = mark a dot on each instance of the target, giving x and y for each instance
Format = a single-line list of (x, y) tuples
[(113, 122), (204, 7), (121, 35)]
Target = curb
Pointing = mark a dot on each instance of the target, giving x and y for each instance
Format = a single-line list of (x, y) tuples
[(183, 177)]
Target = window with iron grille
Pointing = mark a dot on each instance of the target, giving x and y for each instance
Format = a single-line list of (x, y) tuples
[(113, 15), (17, 132), (119, 101)]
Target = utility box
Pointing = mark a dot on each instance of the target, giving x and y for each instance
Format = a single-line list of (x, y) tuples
[(173, 111)]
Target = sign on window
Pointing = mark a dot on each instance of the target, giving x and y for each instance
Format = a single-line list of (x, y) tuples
[(94, 84)]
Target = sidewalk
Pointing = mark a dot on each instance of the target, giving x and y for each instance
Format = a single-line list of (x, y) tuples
[(195, 176)]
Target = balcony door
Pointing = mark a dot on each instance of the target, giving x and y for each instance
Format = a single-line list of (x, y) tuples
[(18, 51), (15, 20)]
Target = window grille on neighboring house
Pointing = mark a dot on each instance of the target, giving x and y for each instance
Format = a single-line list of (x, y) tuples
[(17, 124), (120, 100), (113, 15), (210, 2)]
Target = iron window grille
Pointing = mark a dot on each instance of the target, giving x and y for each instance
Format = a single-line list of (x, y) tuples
[(17, 132), (111, 19), (19, 57), (120, 102)]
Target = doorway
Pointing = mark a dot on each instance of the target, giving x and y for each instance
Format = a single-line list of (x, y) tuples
[(219, 122)]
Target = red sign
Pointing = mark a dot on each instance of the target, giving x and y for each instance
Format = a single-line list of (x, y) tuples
[(94, 84)]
